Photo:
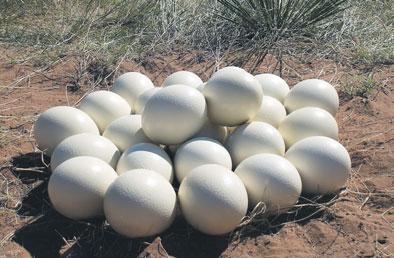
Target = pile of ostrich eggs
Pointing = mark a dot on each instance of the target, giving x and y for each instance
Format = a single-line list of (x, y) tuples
[(213, 151)]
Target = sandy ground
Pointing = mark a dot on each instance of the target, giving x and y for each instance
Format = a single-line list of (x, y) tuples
[(358, 223)]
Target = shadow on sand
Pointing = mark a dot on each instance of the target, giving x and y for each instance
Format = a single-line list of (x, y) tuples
[(52, 235)]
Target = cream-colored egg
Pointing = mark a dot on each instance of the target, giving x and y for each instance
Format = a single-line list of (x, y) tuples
[(212, 131), (104, 107), (228, 69), (126, 131), (306, 122), (77, 186), (213, 199), (201, 86), (312, 93), (58, 123), (198, 152), (273, 86), (140, 203), (143, 98), (323, 163), (146, 156), (85, 144), (254, 138), (174, 114), (270, 179), (271, 112), (131, 85), (184, 78), (233, 97)]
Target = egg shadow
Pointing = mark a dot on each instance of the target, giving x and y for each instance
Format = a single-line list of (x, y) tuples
[(49, 234)]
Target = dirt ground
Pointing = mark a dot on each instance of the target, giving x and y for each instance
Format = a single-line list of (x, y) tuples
[(359, 222)]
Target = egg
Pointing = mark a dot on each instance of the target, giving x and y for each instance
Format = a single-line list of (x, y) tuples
[(273, 86), (313, 93), (130, 86), (233, 97), (85, 144), (308, 121), (58, 123), (254, 138), (140, 203), (212, 131), (104, 107), (146, 156), (143, 98), (323, 163), (174, 114), (77, 186), (228, 69), (126, 131), (271, 111), (213, 199), (270, 179), (184, 78), (201, 86), (197, 152)]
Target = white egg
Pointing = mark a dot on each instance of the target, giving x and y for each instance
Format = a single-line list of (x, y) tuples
[(183, 77), (213, 199), (58, 123), (254, 138), (146, 156), (228, 69), (273, 86), (140, 203), (306, 122), (197, 152), (271, 111), (323, 163), (104, 107), (143, 98), (216, 132), (174, 114), (77, 186), (233, 97), (131, 85), (201, 86), (85, 144), (313, 93), (126, 131), (270, 179)]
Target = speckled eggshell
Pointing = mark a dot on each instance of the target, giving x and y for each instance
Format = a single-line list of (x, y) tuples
[(270, 179), (323, 163), (104, 107), (143, 98), (198, 152), (126, 131), (77, 186), (233, 97), (131, 85), (212, 131), (213, 199), (271, 111), (273, 86), (306, 122), (85, 144), (254, 138), (146, 156), (183, 77), (58, 123), (174, 114), (140, 203), (312, 93)]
